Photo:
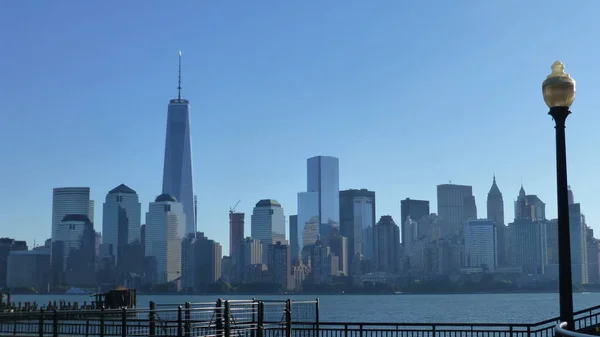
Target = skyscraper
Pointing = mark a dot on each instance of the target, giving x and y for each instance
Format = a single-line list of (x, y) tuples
[(495, 212), (495, 204), (415, 209), (236, 232), (121, 217), (294, 253), (177, 174), (455, 205), (70, 200), (165, 223), (267, 223), (387, 245), (481, 244), (357, 218), (321, 199)]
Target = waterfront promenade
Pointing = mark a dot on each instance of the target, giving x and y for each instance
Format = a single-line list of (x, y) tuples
[(256, 318)]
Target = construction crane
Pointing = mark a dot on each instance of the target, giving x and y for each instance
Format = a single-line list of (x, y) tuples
[(232, 209)]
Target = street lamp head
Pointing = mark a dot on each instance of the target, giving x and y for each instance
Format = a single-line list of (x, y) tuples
[(558, 88)]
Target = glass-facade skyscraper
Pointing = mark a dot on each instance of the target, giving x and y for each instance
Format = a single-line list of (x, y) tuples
[(177, 174), (321, 201)]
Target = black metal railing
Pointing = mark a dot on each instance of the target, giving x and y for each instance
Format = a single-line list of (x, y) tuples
[(255, 318)]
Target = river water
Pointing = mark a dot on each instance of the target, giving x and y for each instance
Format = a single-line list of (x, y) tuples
[(468, 308)]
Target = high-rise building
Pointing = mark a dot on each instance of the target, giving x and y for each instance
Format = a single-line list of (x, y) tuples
[(529, 207), (357, 215), (495, 204), (70, 200), (279, 264), (295, 254), (7, 246), (200, 262), (267, 223), (578, 236), (455, 204), (413, 209), (249, 254), (236, 232), (481, 244), (165, 229), (495, 212), (177, 173), (321, 198), (387, 245), (121, 217)]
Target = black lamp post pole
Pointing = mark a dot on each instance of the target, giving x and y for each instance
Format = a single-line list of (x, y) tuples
[(559, 114)]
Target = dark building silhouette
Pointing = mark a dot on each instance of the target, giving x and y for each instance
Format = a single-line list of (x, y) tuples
[(495, 212), (357, 218), (294, 244), (415, 209), (81, 262), (201, 262), (387, 245), (236, 232), (279, 263), (6, 246)]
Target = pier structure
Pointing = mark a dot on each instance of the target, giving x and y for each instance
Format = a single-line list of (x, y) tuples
[(262, 318)]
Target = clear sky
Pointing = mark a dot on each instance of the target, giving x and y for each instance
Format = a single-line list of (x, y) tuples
[(407, 94)]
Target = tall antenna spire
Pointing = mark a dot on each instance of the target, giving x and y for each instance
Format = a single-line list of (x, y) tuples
[(179, 87)]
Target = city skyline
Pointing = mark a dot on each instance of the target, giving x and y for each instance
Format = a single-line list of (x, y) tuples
[(252, 85)]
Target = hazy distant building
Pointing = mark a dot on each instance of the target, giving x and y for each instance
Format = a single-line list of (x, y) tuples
[(578, 235), (70, 200), (236, 232), (529, 207), (78, 242), (481, 244), (455, 204), (177, 170), (320, 257), (208, 254), (165, 229), (279, 264), (495, 212), (7, 246), (321, 199), (29, 269), (415, 209), (294, 244), (357, 215), (387, 245), (267, 223), (249, 254), (121, 219)]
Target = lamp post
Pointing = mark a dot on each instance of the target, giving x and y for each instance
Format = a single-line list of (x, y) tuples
[(559, 93)]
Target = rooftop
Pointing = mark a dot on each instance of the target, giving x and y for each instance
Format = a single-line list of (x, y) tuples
[(165, 197), (122, 189), (268, 203)]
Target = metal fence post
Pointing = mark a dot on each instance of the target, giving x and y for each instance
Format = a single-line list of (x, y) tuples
[(288, 318), (227, 327), (188, 315), (179, 322), (152, 318), (124, 322), (254, 314), (219, 317), (433, 331), (261, 319), (41, 326), (55, 324), (317, 327), (101, 321)]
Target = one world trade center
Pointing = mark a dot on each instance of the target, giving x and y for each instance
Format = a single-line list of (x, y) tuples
[(177, 171)]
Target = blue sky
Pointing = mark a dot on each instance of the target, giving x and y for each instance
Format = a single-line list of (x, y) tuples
[(407, 94)]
